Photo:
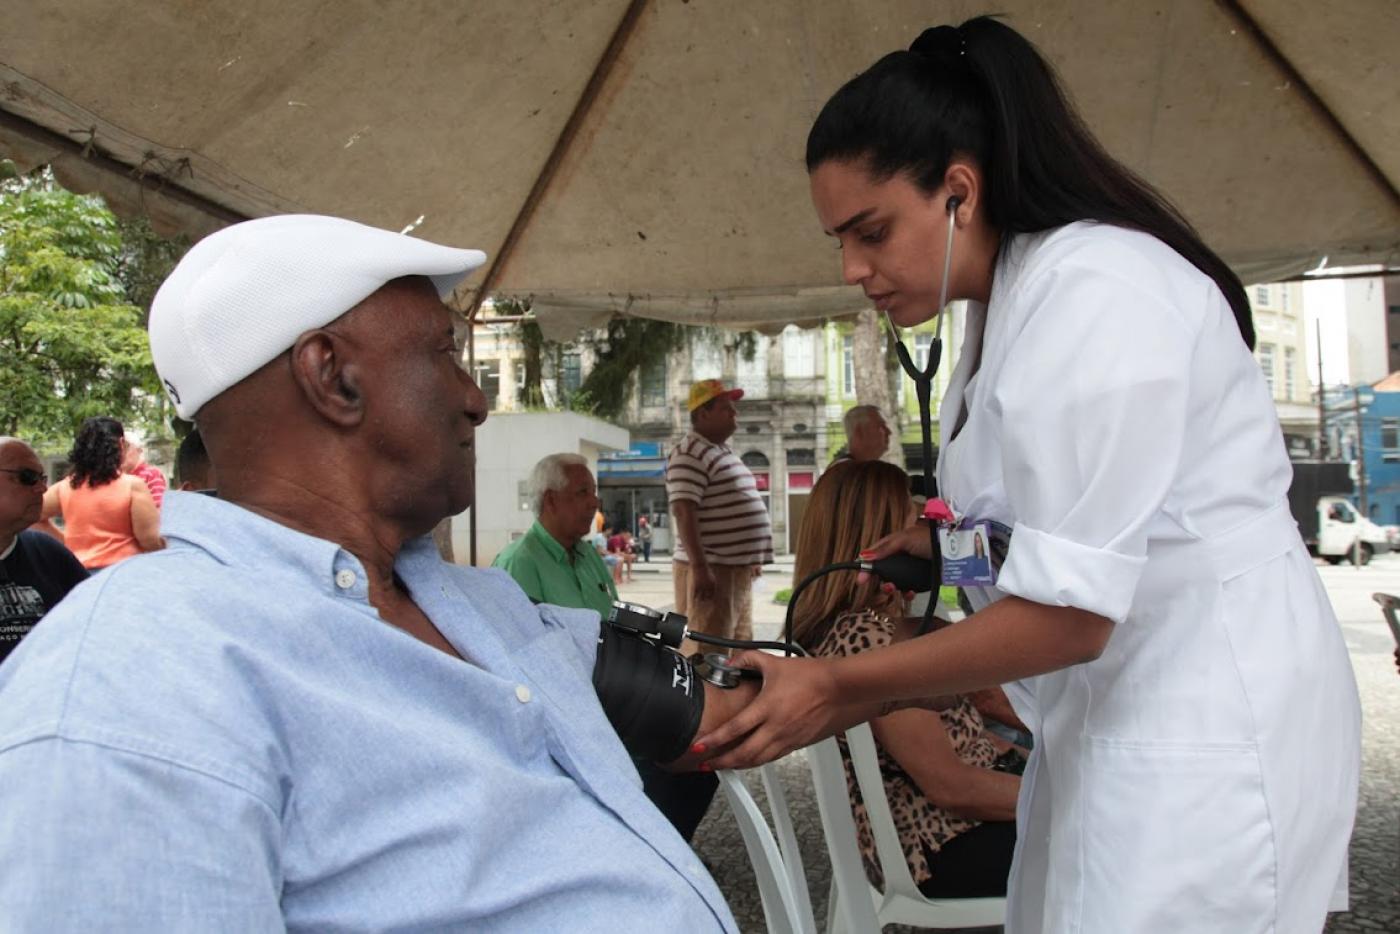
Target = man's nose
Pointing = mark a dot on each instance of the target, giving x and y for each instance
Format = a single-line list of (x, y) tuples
[(475, 404)]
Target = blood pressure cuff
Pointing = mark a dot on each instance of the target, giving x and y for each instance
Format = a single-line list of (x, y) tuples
[(651, 695)]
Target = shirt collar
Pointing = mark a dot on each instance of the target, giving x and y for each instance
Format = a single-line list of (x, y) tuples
[(551, 544), (236, 536), (694, 435)]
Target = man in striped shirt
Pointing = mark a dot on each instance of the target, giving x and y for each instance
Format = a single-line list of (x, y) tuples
[(723, 535)]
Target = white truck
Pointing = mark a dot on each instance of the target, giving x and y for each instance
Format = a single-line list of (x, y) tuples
[(1331, 526)]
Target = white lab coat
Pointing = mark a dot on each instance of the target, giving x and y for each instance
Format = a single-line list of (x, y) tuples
[(1201, 775)]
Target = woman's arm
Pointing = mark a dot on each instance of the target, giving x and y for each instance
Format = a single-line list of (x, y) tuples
[(52, 505), (145, 518), (805, 700), (920, 744), (993, 704), (1007, 641)]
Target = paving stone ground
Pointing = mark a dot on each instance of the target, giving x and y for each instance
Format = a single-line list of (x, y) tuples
[(1375, 846)]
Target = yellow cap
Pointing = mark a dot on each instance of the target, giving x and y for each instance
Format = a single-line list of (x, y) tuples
[(708, 389)]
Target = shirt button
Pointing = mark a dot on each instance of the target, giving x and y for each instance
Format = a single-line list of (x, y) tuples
[(522, 694), (345, 579)]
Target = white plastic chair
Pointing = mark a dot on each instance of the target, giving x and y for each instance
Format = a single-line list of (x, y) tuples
[(855, 905), (777, 864)]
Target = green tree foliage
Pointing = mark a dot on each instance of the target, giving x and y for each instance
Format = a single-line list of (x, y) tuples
[(621, 349), (71, 344), (618, 350), (146, 258)]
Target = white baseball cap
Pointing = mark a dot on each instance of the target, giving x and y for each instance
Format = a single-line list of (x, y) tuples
[(244, 294)]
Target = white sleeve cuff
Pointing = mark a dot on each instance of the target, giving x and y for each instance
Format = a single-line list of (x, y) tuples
[(1058, 572)]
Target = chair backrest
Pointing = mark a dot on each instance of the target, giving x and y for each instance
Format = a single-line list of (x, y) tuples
[(782, 909), (861, 907), (865, 761)]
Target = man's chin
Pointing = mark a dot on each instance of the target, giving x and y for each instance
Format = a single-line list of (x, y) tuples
[(461, 504)]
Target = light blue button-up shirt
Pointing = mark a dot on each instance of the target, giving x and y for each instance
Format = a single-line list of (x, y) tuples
[(224, 736)]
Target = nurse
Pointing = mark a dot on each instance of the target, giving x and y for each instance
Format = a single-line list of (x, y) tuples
[(1157, 619)]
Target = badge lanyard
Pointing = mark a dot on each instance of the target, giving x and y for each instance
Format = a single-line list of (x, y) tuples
[(923, 387)]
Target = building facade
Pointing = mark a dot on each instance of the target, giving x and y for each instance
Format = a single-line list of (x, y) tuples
[(782, 433), (904, 421), (1281, 348), (1363, 424), (1391, 292), (789, 422)]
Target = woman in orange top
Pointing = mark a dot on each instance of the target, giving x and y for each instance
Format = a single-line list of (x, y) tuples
[(107, 515)]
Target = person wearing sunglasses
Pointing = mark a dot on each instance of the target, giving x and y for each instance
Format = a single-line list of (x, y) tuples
[(36, 571)]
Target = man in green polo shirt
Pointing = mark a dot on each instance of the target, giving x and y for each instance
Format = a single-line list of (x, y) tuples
[(555, 562)]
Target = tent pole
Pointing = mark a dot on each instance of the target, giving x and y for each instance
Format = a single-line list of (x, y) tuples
[(625, 28)]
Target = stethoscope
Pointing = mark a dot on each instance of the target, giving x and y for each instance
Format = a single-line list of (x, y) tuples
[(923, 388)]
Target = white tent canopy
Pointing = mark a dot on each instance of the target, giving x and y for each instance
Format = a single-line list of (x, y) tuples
[(645, 156)]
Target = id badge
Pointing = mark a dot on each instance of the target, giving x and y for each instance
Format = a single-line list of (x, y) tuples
[(973, 550)]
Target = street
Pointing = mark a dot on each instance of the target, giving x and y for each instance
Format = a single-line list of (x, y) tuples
[(1375, 847)]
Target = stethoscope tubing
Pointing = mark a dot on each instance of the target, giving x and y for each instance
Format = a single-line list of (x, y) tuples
[(923, 384)]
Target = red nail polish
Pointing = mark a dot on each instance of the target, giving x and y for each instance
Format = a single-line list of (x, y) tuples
[(698, 748), (706, 767)]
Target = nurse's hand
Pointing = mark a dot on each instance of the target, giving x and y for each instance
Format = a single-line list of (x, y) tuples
[(913, 540), (797, 706)]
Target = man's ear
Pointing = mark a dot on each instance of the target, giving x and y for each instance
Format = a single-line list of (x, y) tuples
[(328, 377)]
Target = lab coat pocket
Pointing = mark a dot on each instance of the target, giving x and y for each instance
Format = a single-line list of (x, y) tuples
[(1176, 837)]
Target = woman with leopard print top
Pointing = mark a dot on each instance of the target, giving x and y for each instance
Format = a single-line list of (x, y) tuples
[(954, 811)]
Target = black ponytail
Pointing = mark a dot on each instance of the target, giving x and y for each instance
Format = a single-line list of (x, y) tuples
[(982, 90)]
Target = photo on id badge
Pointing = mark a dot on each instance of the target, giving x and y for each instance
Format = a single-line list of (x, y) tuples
[(967, 557)]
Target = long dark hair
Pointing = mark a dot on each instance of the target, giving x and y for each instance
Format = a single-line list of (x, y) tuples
[(981, 89), (96, 457)]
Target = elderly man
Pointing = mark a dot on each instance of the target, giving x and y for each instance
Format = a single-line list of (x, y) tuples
[(298, 716), (867, 434), (35, 570), (723, 535), (554, 562)]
